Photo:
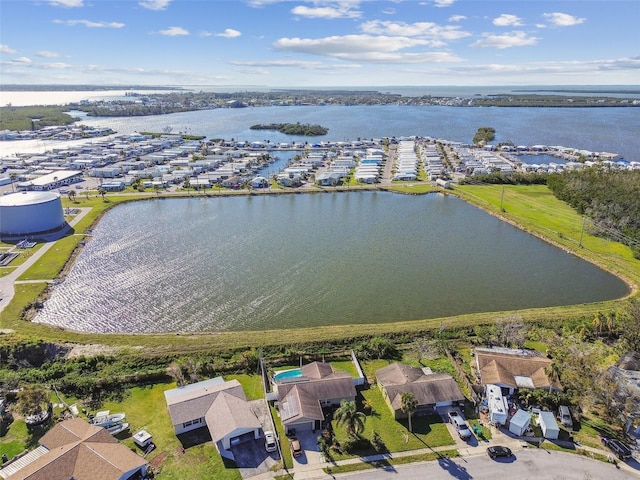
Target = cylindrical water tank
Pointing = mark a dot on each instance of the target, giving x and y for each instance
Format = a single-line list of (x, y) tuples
[(26, 213)]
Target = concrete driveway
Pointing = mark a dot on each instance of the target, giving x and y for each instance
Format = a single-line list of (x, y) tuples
[(251, 456)]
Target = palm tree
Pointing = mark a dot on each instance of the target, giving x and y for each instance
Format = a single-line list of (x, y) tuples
[(351, 418), (408, 405), (598, 322)]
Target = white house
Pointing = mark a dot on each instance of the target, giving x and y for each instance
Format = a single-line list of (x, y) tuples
[(220, 406)]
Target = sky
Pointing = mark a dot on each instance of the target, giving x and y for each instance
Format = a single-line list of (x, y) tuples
[(297, 43)]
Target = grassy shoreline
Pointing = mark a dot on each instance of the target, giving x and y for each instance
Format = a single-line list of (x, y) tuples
[(523, 207)]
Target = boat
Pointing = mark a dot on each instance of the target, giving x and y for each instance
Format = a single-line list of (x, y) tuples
[(106, 420), (118, 428), (37, 419)]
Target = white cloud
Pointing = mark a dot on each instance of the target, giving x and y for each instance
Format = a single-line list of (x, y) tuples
[(457, 18), (47, 54), (20, 61), (6, 49), (506, 20), (444, 3), (338, 11), (229, 33), (155, 4), (90, 23), (347, 44), (507, 40), (366, 48), (558, 68), (56, 66), (67, 3), (174, 32), (563, 19), (302, 64), (419, 29)]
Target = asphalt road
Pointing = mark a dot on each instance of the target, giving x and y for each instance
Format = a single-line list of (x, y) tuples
[(526, 465)]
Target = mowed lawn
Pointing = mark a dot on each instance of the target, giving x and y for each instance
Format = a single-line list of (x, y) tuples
[(427, 431), (536, 208), (146, 409)]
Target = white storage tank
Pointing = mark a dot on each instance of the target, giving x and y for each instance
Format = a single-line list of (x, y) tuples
[(26, 213)]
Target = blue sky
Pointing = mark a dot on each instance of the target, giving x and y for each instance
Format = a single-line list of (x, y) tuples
[(320, 43)]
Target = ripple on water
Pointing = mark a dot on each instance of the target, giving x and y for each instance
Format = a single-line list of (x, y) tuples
[(191, 265)]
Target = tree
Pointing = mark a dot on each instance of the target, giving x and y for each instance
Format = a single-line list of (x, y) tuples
[(408, 405), (631, 326), (72, 195), (510, 331), (32, 400), (351, 418), (175, 371)]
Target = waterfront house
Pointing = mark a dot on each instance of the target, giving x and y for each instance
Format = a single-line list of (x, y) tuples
[(431, 390), (512, 369), (301, 398), (220, 406)]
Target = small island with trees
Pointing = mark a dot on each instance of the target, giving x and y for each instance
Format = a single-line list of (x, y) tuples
[(294, 128)]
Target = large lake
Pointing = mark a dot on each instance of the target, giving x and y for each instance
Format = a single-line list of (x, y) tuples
[(254, 262)]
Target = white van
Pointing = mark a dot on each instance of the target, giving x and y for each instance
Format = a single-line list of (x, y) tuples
[(565, 417)]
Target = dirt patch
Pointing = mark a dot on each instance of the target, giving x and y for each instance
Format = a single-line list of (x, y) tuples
[(92, 350), (158, 460)]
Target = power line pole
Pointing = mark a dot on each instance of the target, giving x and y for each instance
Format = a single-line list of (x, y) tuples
[(582, 231)]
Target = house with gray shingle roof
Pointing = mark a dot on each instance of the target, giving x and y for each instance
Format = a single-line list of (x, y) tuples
[(75, 449), (431, 390), (220, 406), (301, 399)]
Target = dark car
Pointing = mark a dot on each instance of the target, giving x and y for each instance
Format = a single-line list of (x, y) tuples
[(499, 451), (621, 450), (296, 450)]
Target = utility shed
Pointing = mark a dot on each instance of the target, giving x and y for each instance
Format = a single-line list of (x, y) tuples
[(548, 425), (519, 422)]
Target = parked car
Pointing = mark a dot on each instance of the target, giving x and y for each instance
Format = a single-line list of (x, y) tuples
[(452, 414), (270, 441), (462, 428), (621, 450), (499, 451), (565, 417), (296, 449)]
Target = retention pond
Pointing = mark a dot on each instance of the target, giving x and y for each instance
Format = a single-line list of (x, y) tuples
[(288, 261)]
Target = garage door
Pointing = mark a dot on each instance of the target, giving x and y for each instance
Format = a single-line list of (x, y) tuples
[(245, 437)]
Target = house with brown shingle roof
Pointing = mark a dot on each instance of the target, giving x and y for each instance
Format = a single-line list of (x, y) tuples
[(512, 369), (220, 406), (431, 390), (301, 399), (74, 449)]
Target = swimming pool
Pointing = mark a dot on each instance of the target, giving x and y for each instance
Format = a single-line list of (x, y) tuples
[(285, 374)]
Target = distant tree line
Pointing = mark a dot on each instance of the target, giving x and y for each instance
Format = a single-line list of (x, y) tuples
[(33, 118), (611, 198), (500, 178), (293, 128)]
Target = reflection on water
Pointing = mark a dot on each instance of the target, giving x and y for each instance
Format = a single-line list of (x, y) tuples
[(255, 262)]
